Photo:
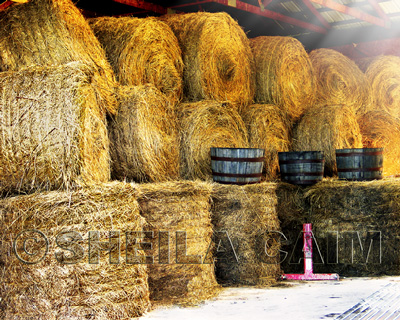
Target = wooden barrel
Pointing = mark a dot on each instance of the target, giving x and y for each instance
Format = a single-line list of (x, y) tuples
[(301, 168), (360, 164), (237, 165)]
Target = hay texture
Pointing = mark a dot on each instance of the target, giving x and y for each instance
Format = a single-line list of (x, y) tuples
[(381, 130), (204, 125), (144, 137), (268, 128), (142, 51), (383, 76), (340, 209), (248, 216), (47, 32), (327, 128), (171, 207), (217, 57), (53, 133), (284, 74), (339, 80), (69, 287)]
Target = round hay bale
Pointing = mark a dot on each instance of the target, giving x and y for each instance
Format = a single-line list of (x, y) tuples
[(47, 32), (339, 80), (268, 128), (383, 75), (284, 74), (65, 284), (204, 125), (144, 142), (327, 128), (217, 57), (380, 129), (142, 51)]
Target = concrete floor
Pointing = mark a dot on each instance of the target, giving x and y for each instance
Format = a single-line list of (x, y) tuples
[(291, 300)]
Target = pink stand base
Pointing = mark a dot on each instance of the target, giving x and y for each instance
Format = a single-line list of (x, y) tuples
[(308, 264)]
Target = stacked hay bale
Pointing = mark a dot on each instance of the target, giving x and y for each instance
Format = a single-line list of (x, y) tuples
[(268, 128), (339, 81), (284, 74), (46, 32), (246, 224), (144, 137), (217, 57), (327, 128), (62, 283), (356, 225), (142, 51), (204, 125), (53, 133), (179, 273)]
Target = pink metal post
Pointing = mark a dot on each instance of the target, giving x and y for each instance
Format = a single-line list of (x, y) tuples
[(308, 264)]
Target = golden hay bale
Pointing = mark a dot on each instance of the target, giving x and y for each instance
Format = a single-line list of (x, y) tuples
[(142, 51), (45, 32), (65, 285), (144, 142), (269, 129), (284, 74), (327, 128), (339, 80), (356, 225), (217, 57), (204, 125), (383, 75), (53, 132), (248, 216), (381, 130), (174, 207)]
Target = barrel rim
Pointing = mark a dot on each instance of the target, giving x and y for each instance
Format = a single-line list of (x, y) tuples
[(218, 148), (359, 149), (296, 152)]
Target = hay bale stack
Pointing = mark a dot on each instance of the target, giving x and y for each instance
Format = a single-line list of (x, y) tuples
[(383, 75), (69, 287), (53, 133), (339, 80), (217, 57), (204, 125), (172, 207), (249, 217), (340, 209), (381, 130), (142, 51), (46, 32), (284, 74), (269, 129), (143, 136), (327, 128)]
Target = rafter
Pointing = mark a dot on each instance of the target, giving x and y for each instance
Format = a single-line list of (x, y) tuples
[(375, 5), (353, 12), (144, 5), (5, 5), (315, 12)]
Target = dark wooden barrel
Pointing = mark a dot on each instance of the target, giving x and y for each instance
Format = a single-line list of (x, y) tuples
[(237, 165), (360, 164), (301, 168)]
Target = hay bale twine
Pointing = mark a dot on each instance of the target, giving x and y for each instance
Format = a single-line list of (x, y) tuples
[(143, 136), (217, 57), (339, 80), (64, 285), (183, 277), (248, 216), (383, 75), (284, 74), (142, 51), (327, 128), (53, 132), (204, 125), (381, 130), (268, 128), (46, 32)]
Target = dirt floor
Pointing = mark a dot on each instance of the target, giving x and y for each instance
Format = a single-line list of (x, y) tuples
[(288, 300)]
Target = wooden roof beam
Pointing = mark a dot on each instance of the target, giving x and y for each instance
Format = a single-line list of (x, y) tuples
[(318, 15)]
